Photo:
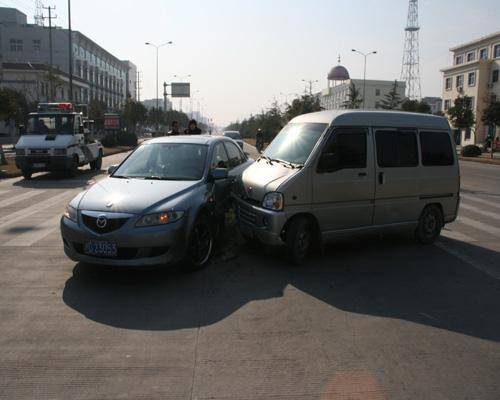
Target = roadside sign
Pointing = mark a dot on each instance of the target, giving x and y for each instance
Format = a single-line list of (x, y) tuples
[(111, 121), (180, 89)]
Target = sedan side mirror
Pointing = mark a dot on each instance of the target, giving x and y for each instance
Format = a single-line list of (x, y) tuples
[(112, 169), (219, 173)]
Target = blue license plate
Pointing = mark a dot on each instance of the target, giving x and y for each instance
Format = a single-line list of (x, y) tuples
[(100, 248)]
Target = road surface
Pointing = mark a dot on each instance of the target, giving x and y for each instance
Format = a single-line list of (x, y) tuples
[(372, 318)]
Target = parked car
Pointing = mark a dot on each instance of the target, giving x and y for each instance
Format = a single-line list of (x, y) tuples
[(161, 205), (236, 136), (333, 173)]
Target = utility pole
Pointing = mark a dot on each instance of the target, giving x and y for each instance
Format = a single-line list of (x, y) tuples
[(70, 53), (51, 53), (310, 82), (364, 71), (138, 86), (165, 96)]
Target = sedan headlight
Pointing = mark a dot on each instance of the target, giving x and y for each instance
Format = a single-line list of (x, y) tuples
[(71, 213), (59, 152), (160, 218), (273, 201)]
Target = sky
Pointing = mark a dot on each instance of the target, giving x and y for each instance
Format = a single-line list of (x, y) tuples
[(242, 55)]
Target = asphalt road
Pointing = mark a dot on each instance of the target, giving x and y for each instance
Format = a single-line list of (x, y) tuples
[(372, 318)]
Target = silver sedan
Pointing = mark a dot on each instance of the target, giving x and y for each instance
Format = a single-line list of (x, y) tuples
[(161, 205)]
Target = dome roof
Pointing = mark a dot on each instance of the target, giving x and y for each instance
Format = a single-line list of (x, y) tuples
[(338, 73)]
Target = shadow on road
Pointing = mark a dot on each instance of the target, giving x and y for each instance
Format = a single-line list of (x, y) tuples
[(386, 277), (56, 180)]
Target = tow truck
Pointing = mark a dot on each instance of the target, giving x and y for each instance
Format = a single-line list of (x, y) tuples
[(55, 140)]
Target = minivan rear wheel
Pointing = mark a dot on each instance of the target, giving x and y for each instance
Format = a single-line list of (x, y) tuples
[(429, 225), (298, 240)]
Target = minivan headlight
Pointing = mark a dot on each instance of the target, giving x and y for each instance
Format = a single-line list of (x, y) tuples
[(71, 213), (273, 201), (159, 218)]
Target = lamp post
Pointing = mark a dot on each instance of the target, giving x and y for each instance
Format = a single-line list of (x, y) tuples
[(365, 55), (181, 78), (157, 47), (310, 83)]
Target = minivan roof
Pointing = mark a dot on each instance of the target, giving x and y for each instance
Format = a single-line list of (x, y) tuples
[(375, 118)]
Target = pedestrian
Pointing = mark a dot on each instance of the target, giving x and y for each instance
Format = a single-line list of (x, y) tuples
[(193, 128), (259, 140), (175, 130)]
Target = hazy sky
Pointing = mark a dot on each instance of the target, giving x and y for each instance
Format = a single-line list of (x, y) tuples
[(243, 53)]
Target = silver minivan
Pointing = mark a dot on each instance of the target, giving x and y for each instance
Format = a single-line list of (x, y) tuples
[(334, 173)]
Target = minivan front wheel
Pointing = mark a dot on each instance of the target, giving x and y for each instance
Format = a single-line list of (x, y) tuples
[(429, 225), (298, 240)]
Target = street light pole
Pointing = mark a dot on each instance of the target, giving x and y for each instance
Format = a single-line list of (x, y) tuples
[(365, 55), (70, 41), (157, 65)]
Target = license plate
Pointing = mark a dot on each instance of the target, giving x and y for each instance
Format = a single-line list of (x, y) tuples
[(38, 165), (100, 248)]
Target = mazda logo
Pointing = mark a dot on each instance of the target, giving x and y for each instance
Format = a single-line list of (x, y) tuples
[(101, 221)]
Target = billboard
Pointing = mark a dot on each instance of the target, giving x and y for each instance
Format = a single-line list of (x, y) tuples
[(111, 121), (180, 89)]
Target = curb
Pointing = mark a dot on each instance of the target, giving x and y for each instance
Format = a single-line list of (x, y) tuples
[(481, 160)]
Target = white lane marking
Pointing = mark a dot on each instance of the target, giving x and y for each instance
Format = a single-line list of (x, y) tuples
[(457, 236), (479, 211), (39, 232), (20, 197), (480, 200), (494, 273), (480, 225), (38, 207)]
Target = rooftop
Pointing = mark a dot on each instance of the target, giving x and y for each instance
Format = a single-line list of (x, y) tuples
[(476, 41)]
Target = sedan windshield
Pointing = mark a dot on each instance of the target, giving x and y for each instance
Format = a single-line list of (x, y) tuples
[(45, 124), (295, 142), (232, 135), (165, 161)]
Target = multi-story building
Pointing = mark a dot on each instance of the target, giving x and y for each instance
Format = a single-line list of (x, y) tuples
[(435, 103), (338, 89), (25, 64), (474, 73), (151, 103), (131, 80)]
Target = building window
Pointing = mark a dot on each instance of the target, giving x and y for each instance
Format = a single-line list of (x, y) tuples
[(459, 81), (459, 59), (471, 56), (37, 44), (494, 76), (471, 79), (16, 45), (470, 103), (448, 83), (447, 104), (496, 51), (483, 54), (377, 91)]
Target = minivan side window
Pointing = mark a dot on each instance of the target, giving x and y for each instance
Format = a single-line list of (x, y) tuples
[(345, 149), (396, 148), (235, 156), (436, 149)]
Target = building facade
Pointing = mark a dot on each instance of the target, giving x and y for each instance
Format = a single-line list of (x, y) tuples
[(334, 97), (131, 80), (474, 73), (435, 103), (25, 64)]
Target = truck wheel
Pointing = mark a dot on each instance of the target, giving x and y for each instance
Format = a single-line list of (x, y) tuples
[(298, 240), (97, 163), (200, 245), (429, 225), (26, 174)]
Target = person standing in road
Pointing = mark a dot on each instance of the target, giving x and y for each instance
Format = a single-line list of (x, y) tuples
[(193, 128), (259, 140), (174, 129)]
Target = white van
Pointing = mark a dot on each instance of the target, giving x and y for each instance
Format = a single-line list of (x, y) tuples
[(333, 173)]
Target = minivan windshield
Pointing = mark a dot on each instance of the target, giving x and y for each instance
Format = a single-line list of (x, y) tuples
[(45, 124), (165, 161), (295, 142)]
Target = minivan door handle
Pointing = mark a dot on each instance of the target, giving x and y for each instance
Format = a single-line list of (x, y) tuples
[(381, 178), (362, 174)]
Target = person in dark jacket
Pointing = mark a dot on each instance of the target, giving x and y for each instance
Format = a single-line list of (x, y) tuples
[(175, 130), (193, 128)]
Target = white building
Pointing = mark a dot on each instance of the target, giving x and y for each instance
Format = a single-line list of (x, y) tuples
[(339, 83), (474, 73)]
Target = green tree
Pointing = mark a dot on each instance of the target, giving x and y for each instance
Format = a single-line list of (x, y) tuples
[(302, 105), (391, 100), (133, 113), (461, 114), (96, 112), (416, 106), (354, 99), (491, 117)]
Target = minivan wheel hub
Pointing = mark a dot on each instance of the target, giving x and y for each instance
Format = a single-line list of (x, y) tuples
[(430, 224)]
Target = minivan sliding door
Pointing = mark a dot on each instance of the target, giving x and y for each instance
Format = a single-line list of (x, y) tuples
[(397, 176)]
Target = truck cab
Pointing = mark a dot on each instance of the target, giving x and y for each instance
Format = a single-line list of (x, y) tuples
[(55, 140)]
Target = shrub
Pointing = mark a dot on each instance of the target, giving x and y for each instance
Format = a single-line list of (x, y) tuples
[(109, 141), (127, 139), (471, 151)]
